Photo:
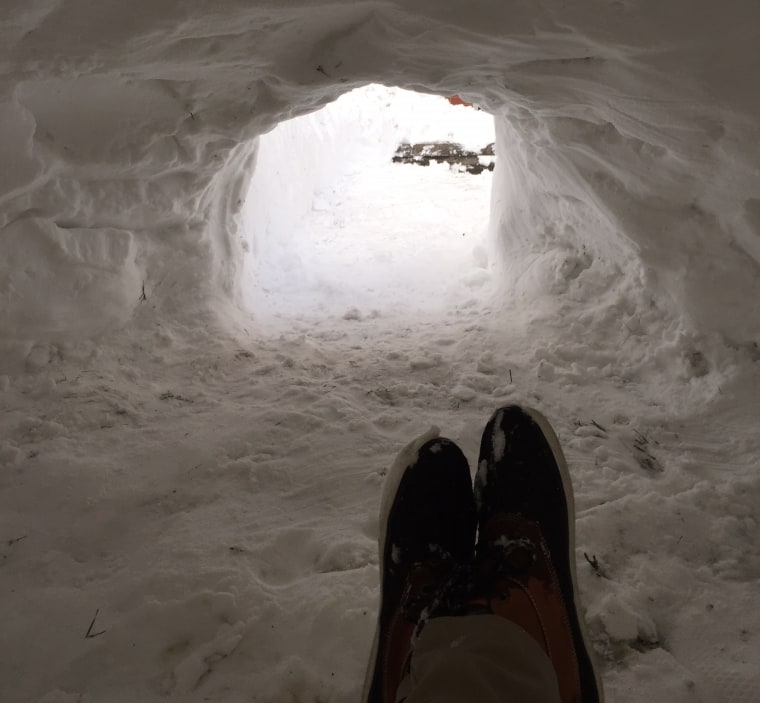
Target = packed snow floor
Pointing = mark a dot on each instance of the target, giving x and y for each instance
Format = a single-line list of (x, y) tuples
[(192, 517)]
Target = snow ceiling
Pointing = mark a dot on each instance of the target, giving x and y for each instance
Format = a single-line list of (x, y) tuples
[(628, 133)]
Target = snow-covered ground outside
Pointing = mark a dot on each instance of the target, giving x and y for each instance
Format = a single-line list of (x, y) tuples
[(189, 515), (372, 236)]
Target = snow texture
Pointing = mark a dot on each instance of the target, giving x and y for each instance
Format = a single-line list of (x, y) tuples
[(213, 342)]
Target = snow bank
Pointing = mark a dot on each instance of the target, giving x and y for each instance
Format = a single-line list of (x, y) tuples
[(629, 140), (302, 156), (307, 154), (313, 162)]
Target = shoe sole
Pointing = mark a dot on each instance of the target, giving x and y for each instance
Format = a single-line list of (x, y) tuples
[(559, 458), (405, 458)]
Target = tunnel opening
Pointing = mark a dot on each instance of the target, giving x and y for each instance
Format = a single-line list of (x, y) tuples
[(376, 205)]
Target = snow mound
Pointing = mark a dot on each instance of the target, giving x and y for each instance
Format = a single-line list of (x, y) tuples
[(627, 135)]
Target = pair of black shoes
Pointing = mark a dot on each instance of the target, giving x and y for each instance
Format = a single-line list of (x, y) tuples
[(504, 546)]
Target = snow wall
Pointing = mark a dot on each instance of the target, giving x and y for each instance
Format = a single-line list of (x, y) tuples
[(304, 155), (627, 133)]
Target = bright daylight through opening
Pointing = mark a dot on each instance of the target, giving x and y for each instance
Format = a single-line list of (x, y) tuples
[(378, 204)]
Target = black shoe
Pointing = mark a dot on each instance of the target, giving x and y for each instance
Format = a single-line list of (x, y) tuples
[(526, 544), (428, 525)]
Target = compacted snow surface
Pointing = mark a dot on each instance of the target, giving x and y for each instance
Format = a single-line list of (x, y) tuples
[(218, 326)]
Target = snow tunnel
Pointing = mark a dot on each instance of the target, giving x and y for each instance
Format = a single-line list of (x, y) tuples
[(190, 485), (129, 159)]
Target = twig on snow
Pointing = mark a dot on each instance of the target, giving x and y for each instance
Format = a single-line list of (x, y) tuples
[(90, 634), (594, 562)]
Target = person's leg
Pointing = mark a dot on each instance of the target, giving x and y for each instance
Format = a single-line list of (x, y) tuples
[(483, 658), (427, 531), (516, 634), (525, 563)]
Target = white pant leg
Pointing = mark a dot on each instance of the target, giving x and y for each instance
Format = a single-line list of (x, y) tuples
[(478, 659)]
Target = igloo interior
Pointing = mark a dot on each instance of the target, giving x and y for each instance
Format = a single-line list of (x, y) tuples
[(209, 488)]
